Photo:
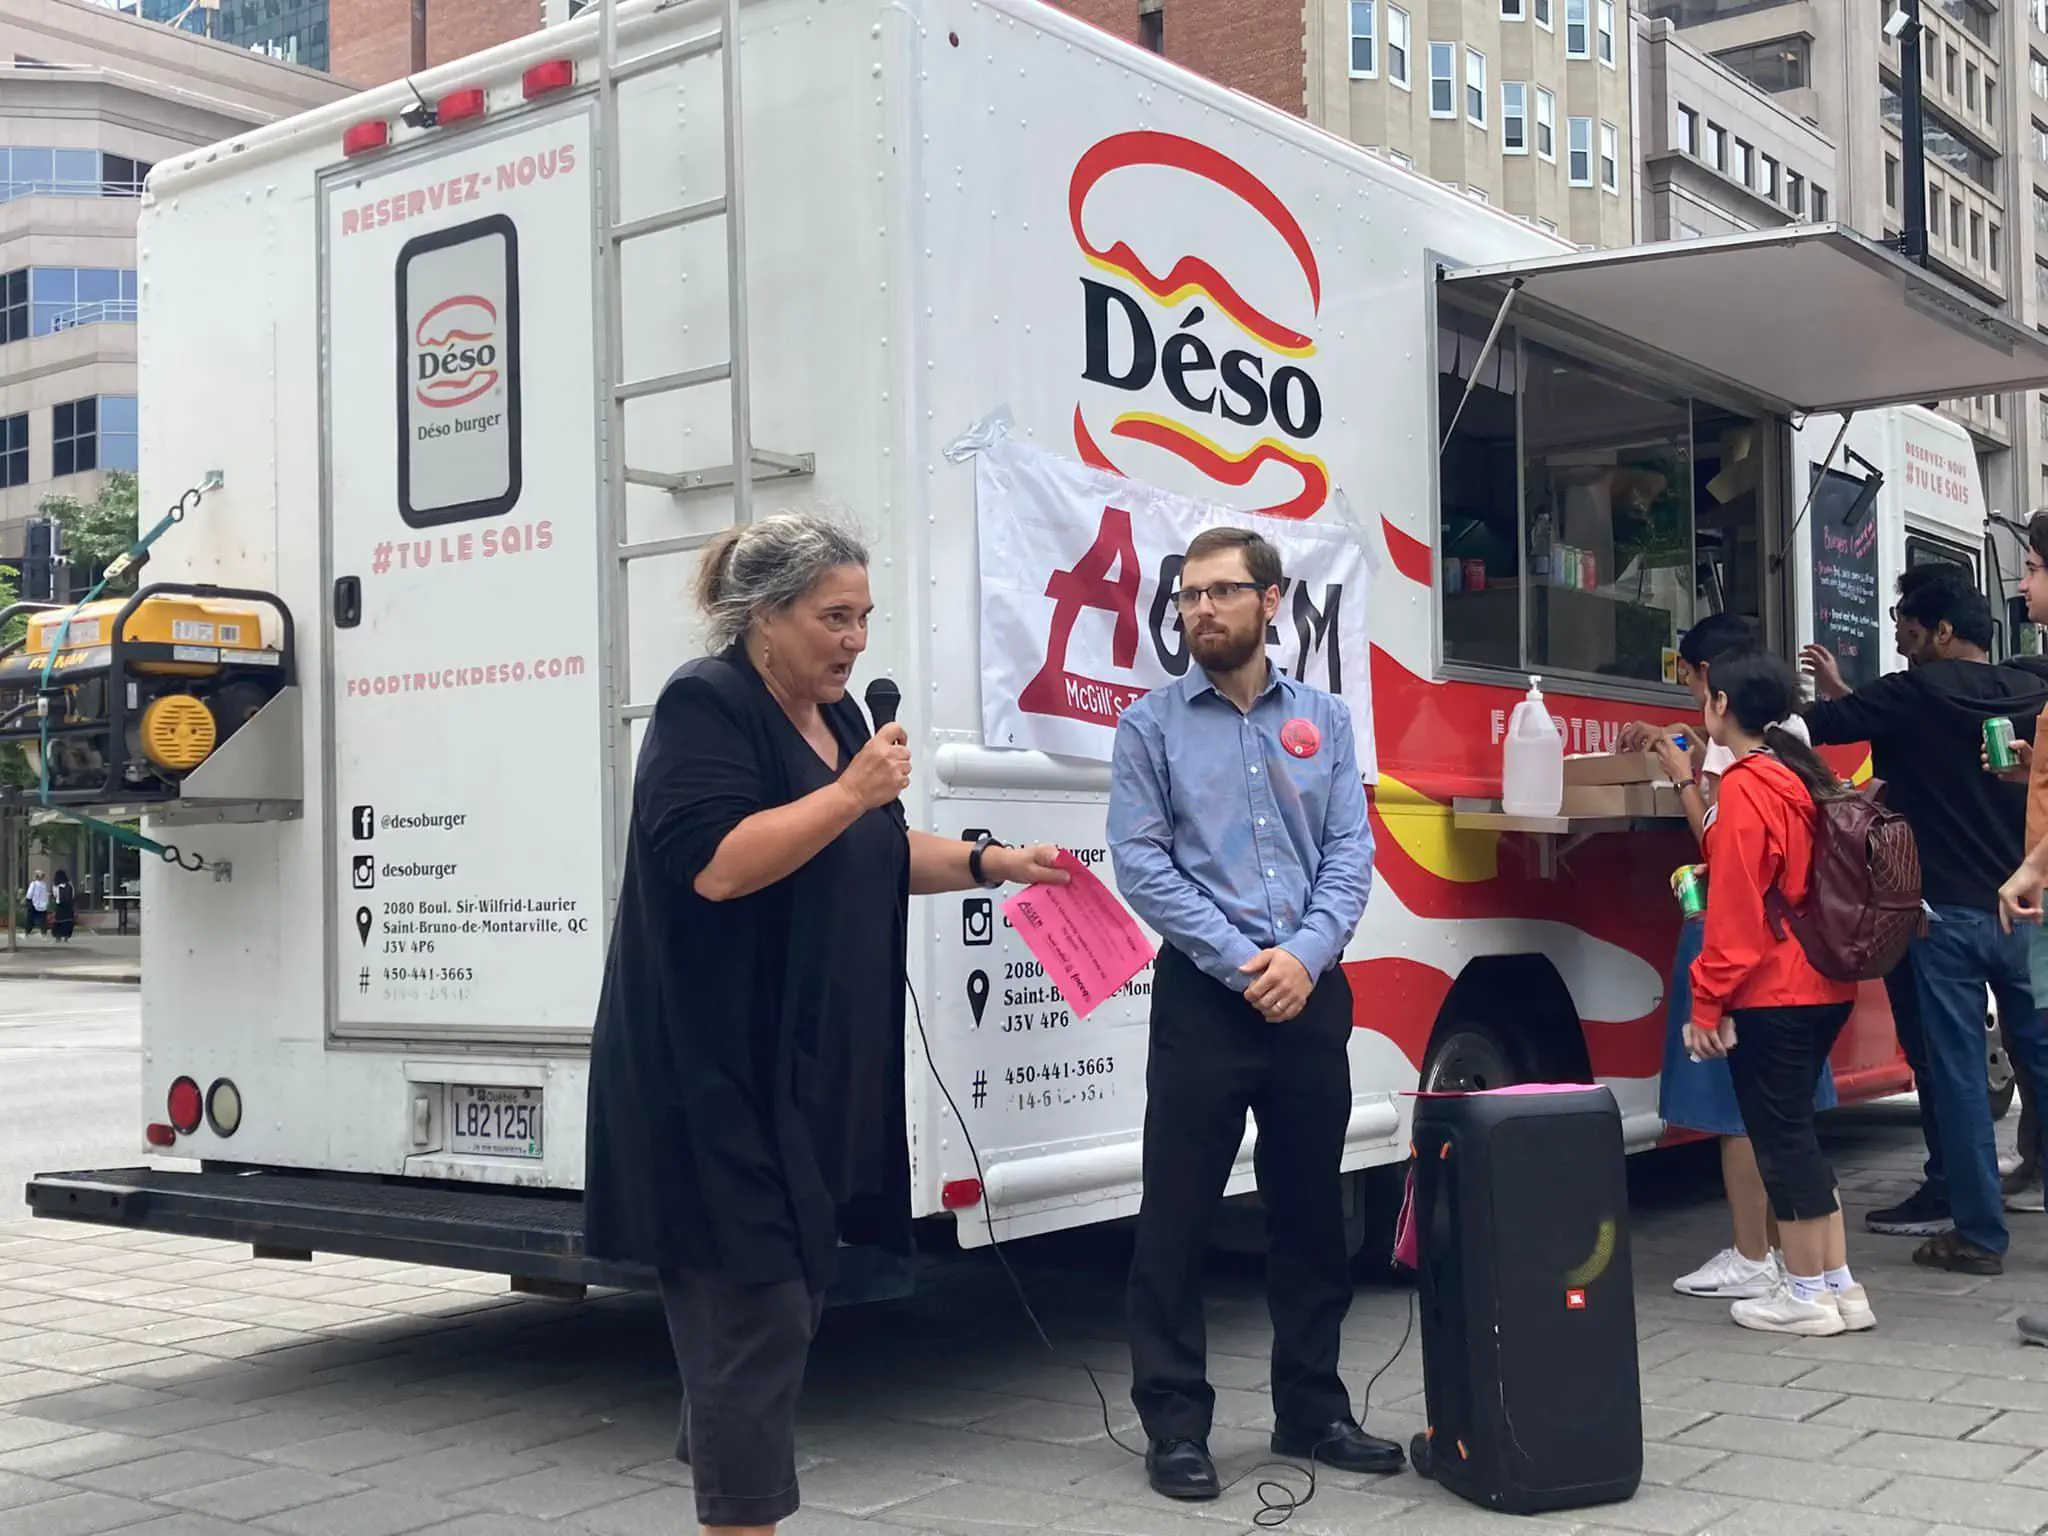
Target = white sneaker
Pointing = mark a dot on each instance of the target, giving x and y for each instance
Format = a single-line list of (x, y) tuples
[(1854, 1305), (2009, 1162), (1782, 1312), (1729, 1276)]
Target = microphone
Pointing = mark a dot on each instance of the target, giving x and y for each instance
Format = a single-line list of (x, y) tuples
[(884, 699)]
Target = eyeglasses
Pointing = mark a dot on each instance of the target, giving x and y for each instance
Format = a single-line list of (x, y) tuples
[(1218, 593)]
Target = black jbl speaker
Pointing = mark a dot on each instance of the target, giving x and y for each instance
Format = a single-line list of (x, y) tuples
[(1528, 1300)]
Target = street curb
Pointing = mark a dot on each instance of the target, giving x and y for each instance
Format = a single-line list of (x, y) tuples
[(119, 979)]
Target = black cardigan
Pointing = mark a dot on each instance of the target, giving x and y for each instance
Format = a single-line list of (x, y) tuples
[(698, 1153)]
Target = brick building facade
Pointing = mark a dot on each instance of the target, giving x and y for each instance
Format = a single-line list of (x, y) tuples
[(370, 41), (1255, 46)]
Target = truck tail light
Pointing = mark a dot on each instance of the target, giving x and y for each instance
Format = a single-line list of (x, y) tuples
[(543, 79), (460, 106), (183, 1106), (361, 138), (224, 1107), (159, 1135), (960, 1194)]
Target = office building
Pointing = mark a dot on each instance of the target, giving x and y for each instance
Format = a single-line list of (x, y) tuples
[(90, 99), (292, 30)]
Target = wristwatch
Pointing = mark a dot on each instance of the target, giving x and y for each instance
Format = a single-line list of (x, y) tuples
[(982, 844)]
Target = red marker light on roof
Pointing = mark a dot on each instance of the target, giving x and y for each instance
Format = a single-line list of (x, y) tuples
[(459, 106), (554, 75), (364, 137), (960, 1194)]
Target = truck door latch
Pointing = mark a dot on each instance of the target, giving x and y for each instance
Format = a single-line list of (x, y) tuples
[(348, 602)]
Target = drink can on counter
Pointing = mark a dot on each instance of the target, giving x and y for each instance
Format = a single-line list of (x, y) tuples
[(1454, 574), (1589, 571), (1689, 885), (1998, 750), (1475, 575)]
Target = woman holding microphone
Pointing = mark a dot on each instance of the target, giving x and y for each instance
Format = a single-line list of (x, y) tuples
[(746, 1109)]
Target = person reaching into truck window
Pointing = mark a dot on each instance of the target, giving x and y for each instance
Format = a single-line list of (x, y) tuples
[(1758, 1003), (746, 1109), (1693, 1093), (1925, 1211), (1927, 723)]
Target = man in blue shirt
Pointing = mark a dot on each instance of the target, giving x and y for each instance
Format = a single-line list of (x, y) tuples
[(1238, 829)]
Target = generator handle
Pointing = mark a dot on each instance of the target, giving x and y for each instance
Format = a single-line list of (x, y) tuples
[(290, 660), (8, 614)]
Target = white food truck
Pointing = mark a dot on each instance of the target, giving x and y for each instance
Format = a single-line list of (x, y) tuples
[(468, 359)]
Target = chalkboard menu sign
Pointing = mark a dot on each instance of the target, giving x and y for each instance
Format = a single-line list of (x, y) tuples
[(1846, 617)]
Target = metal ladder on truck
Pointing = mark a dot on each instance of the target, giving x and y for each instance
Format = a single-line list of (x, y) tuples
[(747, 463)]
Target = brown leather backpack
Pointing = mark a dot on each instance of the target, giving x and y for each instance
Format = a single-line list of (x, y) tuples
[(1862, 902)]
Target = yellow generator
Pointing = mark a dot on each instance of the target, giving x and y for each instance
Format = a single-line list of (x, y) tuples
[(143, 691)]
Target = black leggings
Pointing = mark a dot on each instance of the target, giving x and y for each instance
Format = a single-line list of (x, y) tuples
[(1776, 1064)]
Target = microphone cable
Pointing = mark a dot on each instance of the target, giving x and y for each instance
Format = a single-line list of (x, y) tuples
[(1278, 1500)]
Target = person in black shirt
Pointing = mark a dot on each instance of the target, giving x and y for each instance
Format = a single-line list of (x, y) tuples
[(746, 1109), (1927, 724)]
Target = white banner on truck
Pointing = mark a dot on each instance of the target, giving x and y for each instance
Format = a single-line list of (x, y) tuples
[(468, 870), (1078, 572)]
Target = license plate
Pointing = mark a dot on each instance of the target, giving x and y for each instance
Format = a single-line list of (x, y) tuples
[(494, 1122)]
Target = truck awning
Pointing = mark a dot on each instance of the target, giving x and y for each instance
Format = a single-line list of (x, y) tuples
[(1815, 318)]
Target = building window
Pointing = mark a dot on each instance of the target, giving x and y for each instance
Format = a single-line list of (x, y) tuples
[(1768, 170), (1578, 39), (1443, 83), (1397, 46), (1546, 125), (1478, 194), (14, 305), (1152, 29), (1606, 14), (1795, 194), (1785, 65), (2037, 72), (1952, 76), (1475, 88), (1745, 163), (1550, 228), (1579, 146), (2041, 280), (1820, 205), (1364, 41), (2038, 9), (1513, 10), (1688, 131), (1717, 146), (1991, 98), (1544, 18), (1610, 157), (1891, 181), (13, 451), (1992, 245), (1406, 162), (1955, 223), (1976, 235), (118, 432), (74, 437), (1928, 50), (26, 172), (1970, 86), (1514, 117)]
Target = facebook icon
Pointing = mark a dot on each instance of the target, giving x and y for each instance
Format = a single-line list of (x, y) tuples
[(365, 823)]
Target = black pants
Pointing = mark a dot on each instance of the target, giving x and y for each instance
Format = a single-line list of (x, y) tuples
[(741, 1350), (1776, 1066), (1903, 988), (1213, 1057)]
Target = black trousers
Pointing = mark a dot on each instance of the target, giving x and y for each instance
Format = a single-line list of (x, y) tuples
[(741, 1350), (1776, 1067), (1213, 1057)]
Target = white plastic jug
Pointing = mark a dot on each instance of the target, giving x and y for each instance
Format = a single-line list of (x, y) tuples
[(1532, 777)]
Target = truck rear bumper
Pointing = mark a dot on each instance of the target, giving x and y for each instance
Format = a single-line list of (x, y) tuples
[(527, 1236), (532, 1237)]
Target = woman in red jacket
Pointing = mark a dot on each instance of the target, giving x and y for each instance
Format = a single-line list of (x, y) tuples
[(1758, 1001)]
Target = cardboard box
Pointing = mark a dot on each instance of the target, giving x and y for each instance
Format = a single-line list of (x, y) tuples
[(1614, 768), (1615, 800)]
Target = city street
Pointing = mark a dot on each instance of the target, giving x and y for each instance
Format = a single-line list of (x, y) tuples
[(176, 1388)]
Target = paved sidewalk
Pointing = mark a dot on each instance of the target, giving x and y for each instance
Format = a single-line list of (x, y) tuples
[(108, 957), (174, 1388)]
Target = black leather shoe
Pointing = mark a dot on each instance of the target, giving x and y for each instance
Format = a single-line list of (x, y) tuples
[(1341, 1445), (1181, 1469)]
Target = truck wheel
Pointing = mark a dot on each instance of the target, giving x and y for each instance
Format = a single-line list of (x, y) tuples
[(1468, 1056)]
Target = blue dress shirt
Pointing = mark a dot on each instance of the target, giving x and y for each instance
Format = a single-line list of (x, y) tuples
[(1223, 841)]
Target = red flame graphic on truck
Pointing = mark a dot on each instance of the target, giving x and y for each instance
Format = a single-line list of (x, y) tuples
[(1235, 384), (455, 352)]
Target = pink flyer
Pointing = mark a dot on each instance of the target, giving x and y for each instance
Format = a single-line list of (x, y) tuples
[(1089, 945)]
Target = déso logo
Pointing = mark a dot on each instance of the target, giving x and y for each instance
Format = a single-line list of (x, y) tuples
[(455, 352), (1214, 383)]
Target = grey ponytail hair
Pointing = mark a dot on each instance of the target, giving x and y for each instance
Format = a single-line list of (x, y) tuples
[(764, 567)]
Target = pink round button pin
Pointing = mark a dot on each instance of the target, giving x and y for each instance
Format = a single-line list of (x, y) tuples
[(1301, 738)]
